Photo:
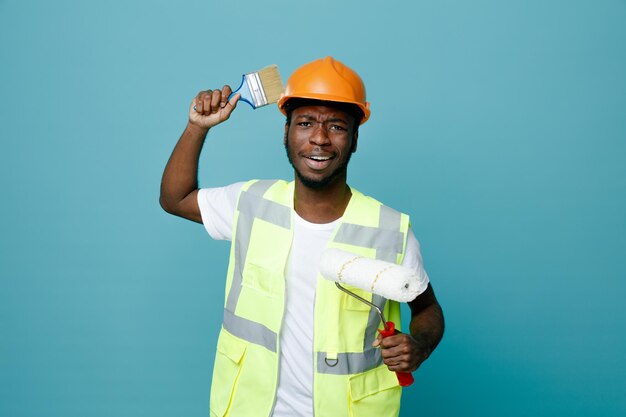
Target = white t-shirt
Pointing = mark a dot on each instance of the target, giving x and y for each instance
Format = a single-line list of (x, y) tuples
[(294, 395)]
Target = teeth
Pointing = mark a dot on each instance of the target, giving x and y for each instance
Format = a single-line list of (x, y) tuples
[(319, 158)]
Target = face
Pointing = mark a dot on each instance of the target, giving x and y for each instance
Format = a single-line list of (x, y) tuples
[(319, 142)]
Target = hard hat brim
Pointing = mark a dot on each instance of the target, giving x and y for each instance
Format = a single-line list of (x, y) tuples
[(365, 108)]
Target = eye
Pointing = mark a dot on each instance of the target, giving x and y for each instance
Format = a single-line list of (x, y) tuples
[(304, 124), (337, 128)]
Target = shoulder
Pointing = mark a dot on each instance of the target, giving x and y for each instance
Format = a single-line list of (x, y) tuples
[(369, 200), (279, 191), (226, 194), (388, 216), (261, 186)]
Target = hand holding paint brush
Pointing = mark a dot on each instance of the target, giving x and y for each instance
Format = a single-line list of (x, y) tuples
[(258, 89), (212, 107)]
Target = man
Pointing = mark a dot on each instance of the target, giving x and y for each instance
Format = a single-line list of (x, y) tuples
[(291, 343)]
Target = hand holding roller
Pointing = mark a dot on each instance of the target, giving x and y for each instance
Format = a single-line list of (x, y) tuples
[(389, 280)]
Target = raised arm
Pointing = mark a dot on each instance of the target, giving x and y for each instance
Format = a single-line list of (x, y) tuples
[(179, 184)]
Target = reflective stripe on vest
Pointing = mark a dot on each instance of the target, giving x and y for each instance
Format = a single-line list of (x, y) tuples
[(387, 239), (251, 205), (388, 242)]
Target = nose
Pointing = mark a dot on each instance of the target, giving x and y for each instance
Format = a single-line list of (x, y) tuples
[(320, 136)]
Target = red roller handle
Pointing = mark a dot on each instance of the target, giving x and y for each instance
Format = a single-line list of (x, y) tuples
[(404, 378)]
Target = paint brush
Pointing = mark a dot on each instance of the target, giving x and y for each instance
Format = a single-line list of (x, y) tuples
[(261, 88)]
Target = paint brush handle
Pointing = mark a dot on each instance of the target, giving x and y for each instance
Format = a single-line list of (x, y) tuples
[(244, 91), (404, 378)]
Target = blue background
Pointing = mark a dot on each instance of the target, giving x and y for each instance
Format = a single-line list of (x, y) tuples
[(498, 126)]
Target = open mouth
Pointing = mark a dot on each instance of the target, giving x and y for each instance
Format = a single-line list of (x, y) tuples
[(318, 161), (319, 158)]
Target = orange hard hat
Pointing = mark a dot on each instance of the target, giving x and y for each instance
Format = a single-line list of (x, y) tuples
[(326, 79)]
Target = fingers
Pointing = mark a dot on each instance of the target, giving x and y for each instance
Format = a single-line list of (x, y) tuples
[(212, 107), (396, 348), (226, 92), (401, 353), (212, 101), (378, 341), (198, 103), (215, 100), (230, 105)]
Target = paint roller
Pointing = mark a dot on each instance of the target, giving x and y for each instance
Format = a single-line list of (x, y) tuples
[(386, 279)]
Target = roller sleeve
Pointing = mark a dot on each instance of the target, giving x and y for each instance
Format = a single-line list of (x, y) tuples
[(387, 279)]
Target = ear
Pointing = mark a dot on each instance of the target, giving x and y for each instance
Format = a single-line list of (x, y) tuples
[(355, 141), (286, 132)]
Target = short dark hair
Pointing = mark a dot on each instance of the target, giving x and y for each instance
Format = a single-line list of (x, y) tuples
[(352, 109)]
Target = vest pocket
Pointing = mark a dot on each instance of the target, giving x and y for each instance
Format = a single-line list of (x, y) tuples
[(354, 304), (228, 361), (375, 393), (260, 279)]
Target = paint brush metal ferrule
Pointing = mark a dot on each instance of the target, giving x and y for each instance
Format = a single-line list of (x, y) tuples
[(251, 90), (256, 89)]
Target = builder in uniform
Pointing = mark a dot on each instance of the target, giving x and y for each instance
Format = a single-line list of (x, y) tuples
[(291, 343)]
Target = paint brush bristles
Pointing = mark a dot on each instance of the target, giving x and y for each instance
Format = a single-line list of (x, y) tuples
[(262, 87), (271, 82)]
